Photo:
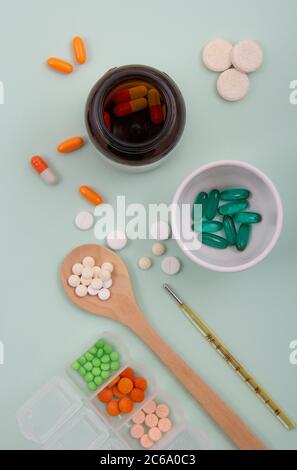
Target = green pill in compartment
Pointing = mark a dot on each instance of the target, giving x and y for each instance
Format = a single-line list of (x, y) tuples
[(213, 200), (215, 241), (234, 194), (243, 236), (232, 208), (229, 229), (201, 199), (248, 217), (210, 226)]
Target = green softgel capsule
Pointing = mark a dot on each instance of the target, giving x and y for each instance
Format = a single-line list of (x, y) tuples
[(92, 386), (212, 204), (243, 236), (215, 241), (88, 366), (229, 229), (211, 226), (107, 349), (75, 365), (82, 360), (96, 371), (105, 359), (233, 207), (82, 371), (105, 366), (89, 356), (100, 343), (114, 356), (93, 350), (115, 365), (96, 362), (248, 217), (201, 198), (98, 380), (100, 353), (105, 374), (89, 377), (234, 194)]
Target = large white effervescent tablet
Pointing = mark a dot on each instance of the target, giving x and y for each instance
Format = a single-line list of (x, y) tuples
[(158, 249), (171, 265), (77, 269), (107, 267), (81, 291), (216, 55), (105, 275), (116, 240), (107, 284), (88, 262), (247, 56), (233, 85), (74, 280), (84, 220), (92, 291), (96, 283), (144, 263), (96, 271), (104, 294), (85, 281), (87, 273), (160, 230)]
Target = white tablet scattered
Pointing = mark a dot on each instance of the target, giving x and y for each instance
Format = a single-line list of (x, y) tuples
[(247, 56), (84, 220), (216, 55), (233, 85)]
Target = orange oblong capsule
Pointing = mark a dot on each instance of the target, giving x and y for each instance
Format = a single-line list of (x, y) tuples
[(91, 195), (129, 94), (155, 108), (59, 65), (70, 145), (79, 50), (123, 109)]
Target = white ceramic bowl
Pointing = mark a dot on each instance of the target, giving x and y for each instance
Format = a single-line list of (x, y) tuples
[(264, 199)]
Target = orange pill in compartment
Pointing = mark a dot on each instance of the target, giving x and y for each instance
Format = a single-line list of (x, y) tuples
[(129, 94), (79, 50), (91, 195), (70, 145), (59, 65), (155, 108), (124, 109), (125, 385), (113, 408)]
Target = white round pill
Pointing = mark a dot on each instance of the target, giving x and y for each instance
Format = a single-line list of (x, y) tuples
[(160, 230), (158, 249), (104, 294), (96, 271), (81, 291), (116, 240), (74, 280), (77, 269), (247, 56), (216, 55), (171, 265), (92, 291), (85, 281), (96, 283), (105, 275), (233, 85), (107, 267), (107, 284), (87, 273), (144, 263), (88, 262), (84, 220)]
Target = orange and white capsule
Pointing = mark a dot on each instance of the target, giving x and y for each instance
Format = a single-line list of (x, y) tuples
[(41, 167), (79, 50), (129, 94), (59, 65), (106, 117), (91, 195), (155, 108), (70, 145), (123, 109)]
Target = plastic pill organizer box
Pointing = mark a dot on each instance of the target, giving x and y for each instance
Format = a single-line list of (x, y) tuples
[(65, 415)]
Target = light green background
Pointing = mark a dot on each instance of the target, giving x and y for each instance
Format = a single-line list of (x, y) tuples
[(254, 312)]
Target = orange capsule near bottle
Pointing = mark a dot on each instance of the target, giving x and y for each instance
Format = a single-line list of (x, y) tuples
[(106, 117), (70, 145), (123, 109), (79, 50), (129, 94), (42, 168), (155, 108), (59, 65), (91, 195)]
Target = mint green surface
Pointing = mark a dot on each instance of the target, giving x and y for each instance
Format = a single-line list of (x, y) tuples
[(253, 312)]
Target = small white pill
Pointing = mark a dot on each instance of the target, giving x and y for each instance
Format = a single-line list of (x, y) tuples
[(107, 284), (96, 283), (87, 273), (92, 291), (160, 230), (104, 294), (171, 265), (81, 291), (84, 220), (74, 280), (85, 281), (77, 269), (144, 263), (158, 249), (107, 267), (247, 56), (116, 240), (233, 85), (216, 55), (96, 271), (88, 262), (105, 275)]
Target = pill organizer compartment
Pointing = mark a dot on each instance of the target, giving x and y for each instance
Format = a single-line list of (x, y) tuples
[(117, 422), (118, 346), (189, 438)]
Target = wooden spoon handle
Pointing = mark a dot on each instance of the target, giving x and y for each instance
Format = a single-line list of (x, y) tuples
[(228, 421)]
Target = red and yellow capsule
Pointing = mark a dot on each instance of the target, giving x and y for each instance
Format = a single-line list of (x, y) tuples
[(129, 94), (41, 167), (130, 107), (155, 108), (59, 65), (91, 195), (70, 145), (79, 50)]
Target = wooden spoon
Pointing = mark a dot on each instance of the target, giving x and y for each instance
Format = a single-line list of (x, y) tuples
[(122, 307)]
